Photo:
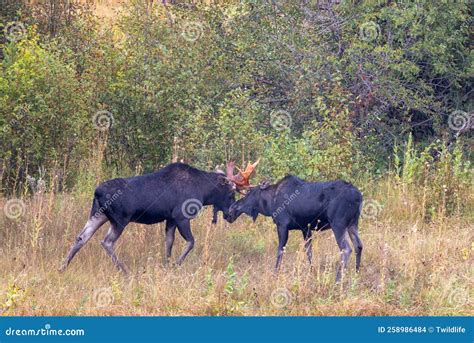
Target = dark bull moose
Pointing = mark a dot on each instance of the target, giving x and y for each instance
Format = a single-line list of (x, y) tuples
[(295, 204), (174, 194)]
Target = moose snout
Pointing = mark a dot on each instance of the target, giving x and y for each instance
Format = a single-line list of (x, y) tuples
[(231, 214)]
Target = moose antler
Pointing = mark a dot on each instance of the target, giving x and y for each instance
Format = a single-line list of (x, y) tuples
[(242, 178)]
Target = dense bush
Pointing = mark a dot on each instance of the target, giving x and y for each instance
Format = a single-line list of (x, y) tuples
[(43, 120), (318, 89)]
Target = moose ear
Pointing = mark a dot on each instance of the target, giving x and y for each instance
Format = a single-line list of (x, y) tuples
[(222, 179), (264, 184)]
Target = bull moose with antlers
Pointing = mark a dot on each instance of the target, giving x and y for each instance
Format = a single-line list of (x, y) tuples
[(174, 194), (295, 204)]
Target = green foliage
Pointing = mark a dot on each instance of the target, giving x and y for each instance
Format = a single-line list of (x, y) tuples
[(13, 295), (204, 83), (234, 288), (231, 282), (43, 120), (214, 135), (441, 174)]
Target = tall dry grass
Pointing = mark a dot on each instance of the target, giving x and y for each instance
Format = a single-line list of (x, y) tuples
[(409, 266)]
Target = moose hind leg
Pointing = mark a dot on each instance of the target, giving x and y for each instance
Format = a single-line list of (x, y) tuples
[(184, 228), (108, 243), (356, 242), (342, 240), (92, 225)]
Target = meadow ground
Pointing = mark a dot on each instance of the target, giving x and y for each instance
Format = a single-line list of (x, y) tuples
[(409, 267)]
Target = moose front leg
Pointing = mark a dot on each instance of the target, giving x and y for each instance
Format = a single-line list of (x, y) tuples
[(170, 233), (282, 240), (215, 212)]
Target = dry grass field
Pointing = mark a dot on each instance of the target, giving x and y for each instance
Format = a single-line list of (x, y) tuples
[(408, 267)]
